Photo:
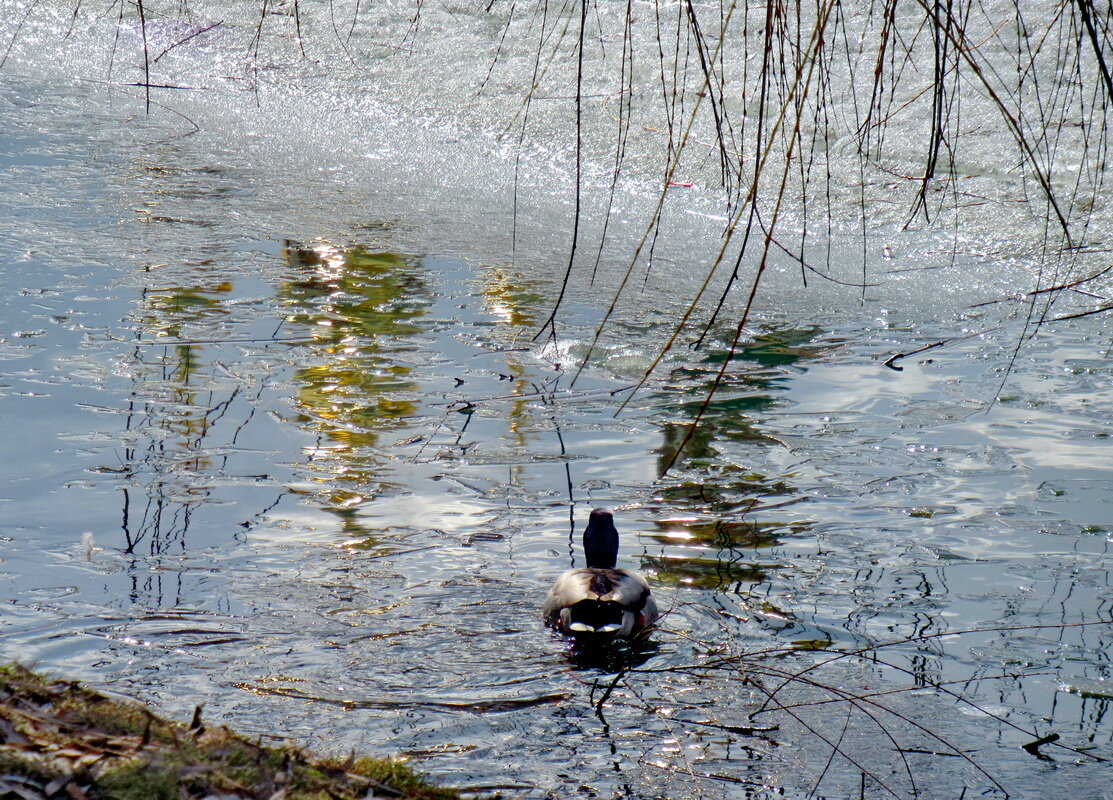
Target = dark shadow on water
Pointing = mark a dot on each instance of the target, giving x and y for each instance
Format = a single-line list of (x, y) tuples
[(607, 654)]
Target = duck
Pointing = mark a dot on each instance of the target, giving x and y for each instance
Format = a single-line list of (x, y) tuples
[(600, 599)]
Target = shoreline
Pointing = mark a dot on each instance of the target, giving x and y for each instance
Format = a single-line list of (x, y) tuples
[(59, 739)]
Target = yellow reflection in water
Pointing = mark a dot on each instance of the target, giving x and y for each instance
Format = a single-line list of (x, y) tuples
[(508, 300), (360, 309)]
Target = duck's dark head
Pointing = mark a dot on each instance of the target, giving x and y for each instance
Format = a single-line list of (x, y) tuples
[(601, 540)]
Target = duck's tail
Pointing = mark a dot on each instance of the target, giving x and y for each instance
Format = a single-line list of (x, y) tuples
[(595, 616)]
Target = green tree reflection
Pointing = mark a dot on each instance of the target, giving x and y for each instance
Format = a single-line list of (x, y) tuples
[(753, 386), (735, 507)]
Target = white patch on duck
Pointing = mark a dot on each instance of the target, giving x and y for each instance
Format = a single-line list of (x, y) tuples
[(600, 599)]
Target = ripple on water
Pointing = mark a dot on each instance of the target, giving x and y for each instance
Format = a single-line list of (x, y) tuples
[(329, 485)]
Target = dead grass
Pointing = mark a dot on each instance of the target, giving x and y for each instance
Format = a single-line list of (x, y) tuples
[(59, 739)]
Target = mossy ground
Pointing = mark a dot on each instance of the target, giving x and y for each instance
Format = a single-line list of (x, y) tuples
[(60, 740)]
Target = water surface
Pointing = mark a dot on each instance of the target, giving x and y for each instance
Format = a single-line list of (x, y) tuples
[(328, 473)]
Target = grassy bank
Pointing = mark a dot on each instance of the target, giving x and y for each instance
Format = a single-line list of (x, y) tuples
[(59, 739)]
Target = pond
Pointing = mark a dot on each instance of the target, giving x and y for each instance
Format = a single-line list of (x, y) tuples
[(281, 439)]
